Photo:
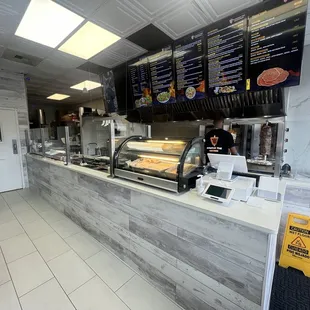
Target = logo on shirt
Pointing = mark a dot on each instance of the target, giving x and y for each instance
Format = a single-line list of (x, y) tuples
[(214, 140)]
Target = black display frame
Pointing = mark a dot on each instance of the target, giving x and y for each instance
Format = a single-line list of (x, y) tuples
[(260, 8), (204, 68), (245, 47)]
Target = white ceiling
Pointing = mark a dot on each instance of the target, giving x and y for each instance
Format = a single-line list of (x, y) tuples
[(58, 71)]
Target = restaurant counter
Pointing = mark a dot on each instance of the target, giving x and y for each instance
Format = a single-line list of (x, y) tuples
[(200, 254)]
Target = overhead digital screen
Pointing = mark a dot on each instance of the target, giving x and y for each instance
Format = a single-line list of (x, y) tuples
[(276, 40), (190, 70), (226, 52), (162, 81)]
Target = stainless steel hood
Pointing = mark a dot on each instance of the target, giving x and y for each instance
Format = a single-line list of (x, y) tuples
[(245, 105)]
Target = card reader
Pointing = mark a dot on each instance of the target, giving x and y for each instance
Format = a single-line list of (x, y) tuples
[(218, 193)]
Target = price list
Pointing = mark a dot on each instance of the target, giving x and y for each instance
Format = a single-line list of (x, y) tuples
[(226, 56), (140, 83), (162, 76), (189, 62), (276, 38)]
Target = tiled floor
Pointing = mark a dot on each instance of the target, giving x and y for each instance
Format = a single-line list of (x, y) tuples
[(47, 262)]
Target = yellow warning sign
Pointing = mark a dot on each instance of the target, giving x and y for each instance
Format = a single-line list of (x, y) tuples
[(296, 244)]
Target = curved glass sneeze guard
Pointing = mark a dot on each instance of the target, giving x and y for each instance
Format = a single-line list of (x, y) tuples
[(159, 158)]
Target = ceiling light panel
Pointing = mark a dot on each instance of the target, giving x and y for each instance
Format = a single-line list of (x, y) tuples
[(58, 97), (47, 23), (89, 85), (88, 41)]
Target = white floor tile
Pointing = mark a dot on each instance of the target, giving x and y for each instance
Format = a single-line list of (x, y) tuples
[(4, 274), (96, 295), (2, 202), (6, 215), (1, 258), (110, 269), (17, 247), (38, 229), (10, 229), (84, 245), (66, 228), (48, 296), (52, 216), (12, 197), (26, 193), (140, 295), (71, 271), (28, 216), (20, 207), (28, 273), (40, 205), (51, 246), (8, 298)]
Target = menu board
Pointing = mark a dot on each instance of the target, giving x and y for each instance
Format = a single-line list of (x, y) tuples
[(140, 83), (226, 53), (109, 91), (161, 70), (190, 71), (276, 40)]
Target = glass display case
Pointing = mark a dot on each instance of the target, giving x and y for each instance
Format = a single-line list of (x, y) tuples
[(45, 142), (99, 139), (56, 145), (165, 163), (34, 141)]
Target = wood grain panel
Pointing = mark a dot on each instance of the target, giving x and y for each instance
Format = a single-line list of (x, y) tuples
[(107, 191), (237, 258), (234, 277), (239, 238)]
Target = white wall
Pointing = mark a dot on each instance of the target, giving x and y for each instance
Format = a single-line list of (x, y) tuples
[(298, 122), (13, 95)]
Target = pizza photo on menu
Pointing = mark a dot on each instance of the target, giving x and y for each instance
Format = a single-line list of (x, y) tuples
[(272, 77)]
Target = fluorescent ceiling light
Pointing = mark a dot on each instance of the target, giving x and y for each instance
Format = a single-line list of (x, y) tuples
[(58, 97), (47, 23), (88, 41), (89, 85)]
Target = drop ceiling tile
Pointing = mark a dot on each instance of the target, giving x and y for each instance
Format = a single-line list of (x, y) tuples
[(65, 60), (183, 20), (142, 38), (75, 76), (29, 47), (2, 48), (93, 68), (107, 60), (50, 69), (81, 7), (14, 66), (152, 9), (221, 8), (118, 18), (126, 50)]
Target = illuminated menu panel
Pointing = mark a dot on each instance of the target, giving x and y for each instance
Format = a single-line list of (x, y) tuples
[(189, 62), (140, 83), (161, 70), (226, 56), (276, 40)]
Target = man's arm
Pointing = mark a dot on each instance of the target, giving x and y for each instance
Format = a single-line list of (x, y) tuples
[(233, 151)]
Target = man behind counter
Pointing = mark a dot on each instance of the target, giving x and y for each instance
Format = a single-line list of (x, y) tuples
[(219, 141)]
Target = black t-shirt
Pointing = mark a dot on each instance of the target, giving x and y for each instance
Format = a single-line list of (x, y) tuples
[(218, 141)]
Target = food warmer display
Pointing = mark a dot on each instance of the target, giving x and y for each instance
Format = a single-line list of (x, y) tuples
[(168, 164)]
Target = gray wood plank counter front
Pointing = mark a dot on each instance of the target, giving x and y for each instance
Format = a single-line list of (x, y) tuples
[(201, 255)]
